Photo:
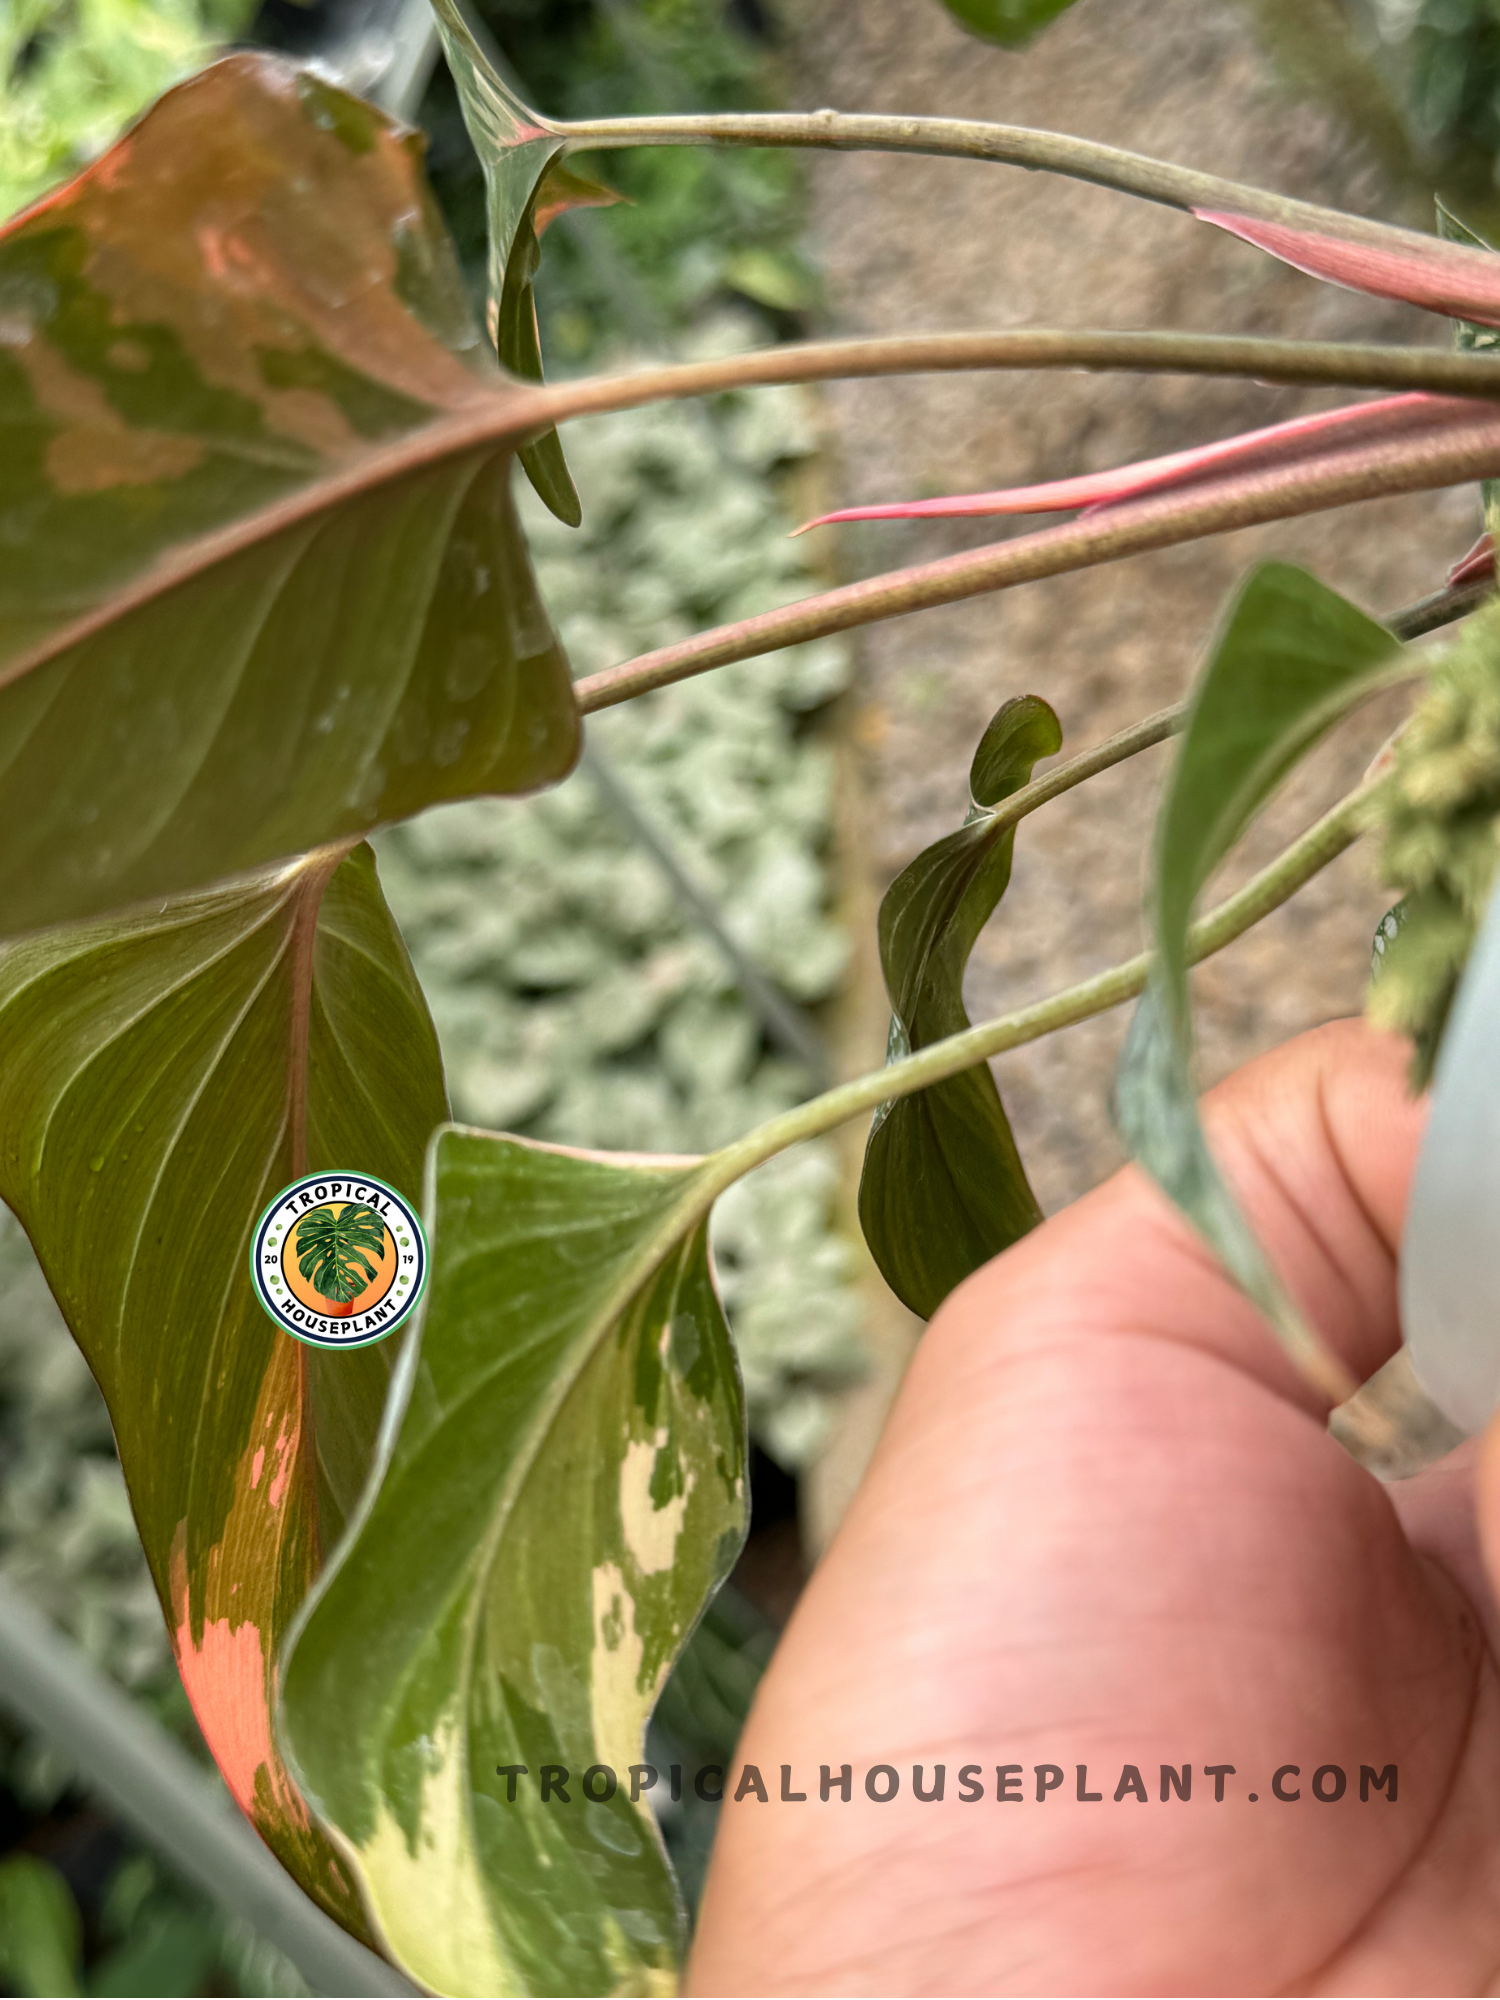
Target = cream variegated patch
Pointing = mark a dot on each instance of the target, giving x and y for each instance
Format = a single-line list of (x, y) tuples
[(651, 1532), (619, 1702), (429, 1908)]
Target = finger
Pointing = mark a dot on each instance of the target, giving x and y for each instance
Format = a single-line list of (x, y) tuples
[(1318, 1142), (1487, 1510)]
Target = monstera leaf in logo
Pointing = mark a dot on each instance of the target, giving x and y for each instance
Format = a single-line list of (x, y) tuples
[(331, 1252)]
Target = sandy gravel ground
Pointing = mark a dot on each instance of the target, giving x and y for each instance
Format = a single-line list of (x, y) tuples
[(921, 244)]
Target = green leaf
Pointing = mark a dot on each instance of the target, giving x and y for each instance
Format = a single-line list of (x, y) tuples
[(1011, 23), (1292, 658), (943, 1189), (162, 1076), (526, 184), (41, 1932), (262, 587), (330, 1250), (562, 1487)]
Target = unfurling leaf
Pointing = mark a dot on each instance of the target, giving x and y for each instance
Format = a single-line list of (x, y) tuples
[(562, 1486), (943, 1189), (526, 184), (1291, 659), (162, 1076), (1299, 445), (261, 583), (1444, 277), (1011, 23)]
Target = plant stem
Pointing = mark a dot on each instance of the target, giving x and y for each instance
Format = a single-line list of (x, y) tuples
[(1323, 842), (1114, 750), (1340, 364), (1443, 607), (1428, 614), (1002, 145), (119, 1753), (1464, 452), (501, 414)]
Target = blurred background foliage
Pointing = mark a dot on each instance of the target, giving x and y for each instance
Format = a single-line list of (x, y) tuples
[(72, 72), (1444, 56)]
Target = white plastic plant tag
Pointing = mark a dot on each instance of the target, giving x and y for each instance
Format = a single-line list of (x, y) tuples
[(1450, 1254)]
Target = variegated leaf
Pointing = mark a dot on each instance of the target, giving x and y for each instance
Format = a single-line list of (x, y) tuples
[(261, 582), (562, 1488), (162, 1076)]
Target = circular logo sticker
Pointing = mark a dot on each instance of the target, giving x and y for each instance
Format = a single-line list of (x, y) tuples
[(338, 1260)]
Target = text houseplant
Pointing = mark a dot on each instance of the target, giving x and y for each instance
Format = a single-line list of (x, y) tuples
[(262, 591)]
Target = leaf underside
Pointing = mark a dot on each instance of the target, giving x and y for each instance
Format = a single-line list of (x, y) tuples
[(943, 1189), (564, 1489), (261, 583), (1292, 658), (162, 1073), (525, 185)]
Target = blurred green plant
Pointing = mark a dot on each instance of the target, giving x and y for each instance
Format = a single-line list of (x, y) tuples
[(1449, 62), (41, 1933), (1439, 821), (72, 72)]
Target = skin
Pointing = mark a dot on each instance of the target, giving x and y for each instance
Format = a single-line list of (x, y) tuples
[(1106, 1526)]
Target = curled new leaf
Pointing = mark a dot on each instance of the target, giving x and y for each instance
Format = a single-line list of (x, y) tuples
[(1292, 658), (1445, 277), (562, 1487), (943, 1188), (526, 184), (261, 582), (162, 1076), (1300, 445)]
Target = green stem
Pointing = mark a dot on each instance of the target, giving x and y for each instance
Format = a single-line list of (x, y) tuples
[(1323, 842), (504, 414), (1114, 750), (1002, 145), (1306, 363), (1426, 615)]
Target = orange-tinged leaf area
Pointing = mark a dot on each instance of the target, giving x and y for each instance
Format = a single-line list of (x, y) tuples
[(162, 1076), (262, 587)]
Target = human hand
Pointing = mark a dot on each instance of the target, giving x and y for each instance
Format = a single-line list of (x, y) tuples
[(1106, 1526)]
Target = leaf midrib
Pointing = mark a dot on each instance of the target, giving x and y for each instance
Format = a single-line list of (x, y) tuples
[(697, 1198)]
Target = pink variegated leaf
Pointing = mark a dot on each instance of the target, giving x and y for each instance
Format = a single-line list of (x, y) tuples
[(1303, 442), (1441, 277)]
